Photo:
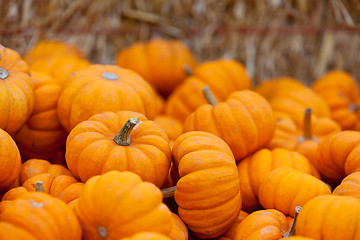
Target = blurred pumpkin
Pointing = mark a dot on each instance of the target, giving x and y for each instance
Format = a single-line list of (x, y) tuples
[(349, 186), (172, 127), (179, 230), (147, 236)]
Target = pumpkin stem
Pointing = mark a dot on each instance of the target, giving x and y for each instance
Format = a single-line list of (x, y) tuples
[(291, 231), (209, 96), (109, 76), (354, 107), (3, 73), (188, 71), (102, 232), (123, 137), (39, 186), (168, 192), (307, 125)]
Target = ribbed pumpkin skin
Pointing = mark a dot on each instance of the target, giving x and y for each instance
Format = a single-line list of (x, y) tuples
[(43, 216), (253, 169), (284, 189), (148, 236), (262, 224), (99, 88), (16, 91), (337, 156), (231, 233), (10, 232), (91, 150), (179, 230), (244, 121), (172, 127), (272, 86), (330, 217), (340, 91), (222, 76), (42, 136), (349, 186), (10, 161), (123, 205), (144, 58), (208, 191)]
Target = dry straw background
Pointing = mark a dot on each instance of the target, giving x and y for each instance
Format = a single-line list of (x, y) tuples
[(299, 38)]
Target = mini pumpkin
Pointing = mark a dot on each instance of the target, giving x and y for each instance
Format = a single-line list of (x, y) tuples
[(179, 230), (172, 127), (100, 88), (270, 87), (231, 233), (147, 236), (207, 192), (349, 186)]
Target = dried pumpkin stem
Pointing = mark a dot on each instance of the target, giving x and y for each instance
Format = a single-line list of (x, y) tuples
[(209, 96), (123, 137), (110, 76), (188, 71), (168, 192), (307, 125), (3, 73), (102, 232), (39, 186), (292, 228)]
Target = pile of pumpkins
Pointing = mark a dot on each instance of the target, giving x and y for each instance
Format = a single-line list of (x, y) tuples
[(160, 146)]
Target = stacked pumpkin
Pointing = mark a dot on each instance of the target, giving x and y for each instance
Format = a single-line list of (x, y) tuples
[(102, 146)]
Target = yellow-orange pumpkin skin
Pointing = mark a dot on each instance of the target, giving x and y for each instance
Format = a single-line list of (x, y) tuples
[(179, 230), (148, 236), (100, 88), (284, 189), (349, 186), (42, 216), (244, 121), (11, 232), (330, 217), (270, 87), (119, 204), (222, 76), (231, 233), (16, 91), (144, 58), (208, 191), (172, 127), (91, 149)]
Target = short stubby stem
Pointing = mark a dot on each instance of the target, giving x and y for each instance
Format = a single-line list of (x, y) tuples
[(168, 192), (3, 73), (39, 186), (110, 76), (123, 137), (210, 98)]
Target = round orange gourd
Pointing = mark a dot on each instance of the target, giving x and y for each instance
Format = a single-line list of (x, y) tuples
[(349, 186), (147, 236), (284, 189), (42, 136), (172, 127), (330, 217), (231, 233), (270, 87), (100, 144), (255, 168), (119, 204), (16, 91), (160, 62), (179, 230), (42, 216), (223, 77), (341, 93), (10, 161), (99, 88), (337, 155), (208, 191), (244, 121), (11, 232)]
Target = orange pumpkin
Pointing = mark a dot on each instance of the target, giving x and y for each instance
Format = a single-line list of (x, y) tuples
[(16, 91), (284, 189), (42, 216), (147, 236), (270, 87), (119, 204), (337, 156), (99, 145), (208, 191), (330, 217), (160, 62), (42, 136), (179, 230), (223, 77), (231, 233), (10, 161), (172, 127), (11, 232), (255, 168), (349, 186), (245, 121), (99, 88), (341, 93)]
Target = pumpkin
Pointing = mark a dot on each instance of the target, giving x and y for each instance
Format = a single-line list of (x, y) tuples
[(349, 186), (270, 87), (99, 145), (245, 121), (255, 168), (42, 136), (119, 204), (179, 230), (99, 88), (208, 191), (42, 217), (144, 58), (11, 232), (16, 91), (230, 234), (341, 93), (10, 161), (33, 167), (284, 189), (46, 49), (223, 76), (337, 156), (262, 224), (147, 236), (172, 127), (330, 217)]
